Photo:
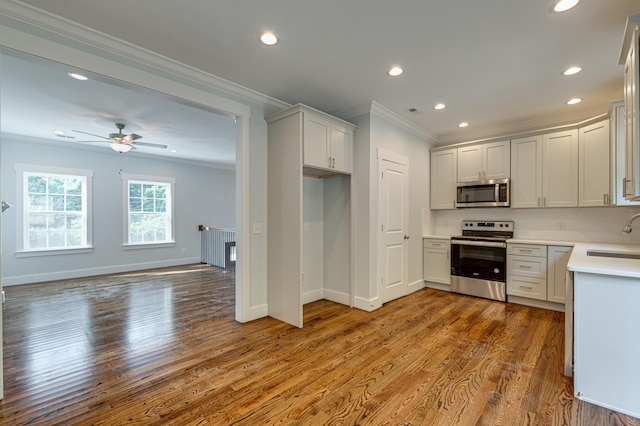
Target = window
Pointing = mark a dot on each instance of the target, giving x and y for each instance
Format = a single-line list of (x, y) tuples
[(54, 209), (149, 210)]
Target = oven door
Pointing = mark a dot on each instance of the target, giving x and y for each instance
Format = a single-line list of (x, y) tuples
[(483, 260)]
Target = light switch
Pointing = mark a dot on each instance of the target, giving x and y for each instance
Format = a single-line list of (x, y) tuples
[(257, 228), (306, 227)]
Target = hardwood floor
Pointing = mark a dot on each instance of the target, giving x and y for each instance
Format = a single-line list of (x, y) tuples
[(162, 347)]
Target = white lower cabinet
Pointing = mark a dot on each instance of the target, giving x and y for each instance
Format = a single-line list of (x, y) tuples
[(537, 272), (437, 261)]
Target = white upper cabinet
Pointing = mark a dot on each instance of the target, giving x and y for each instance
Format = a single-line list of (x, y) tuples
[(443, 179), (629, 58), (545, 170), (526, 175), (594, 165), (327, 143), (487, 161), (560, 169)]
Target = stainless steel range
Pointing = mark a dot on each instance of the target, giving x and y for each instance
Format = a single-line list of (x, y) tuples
[(479, 259)]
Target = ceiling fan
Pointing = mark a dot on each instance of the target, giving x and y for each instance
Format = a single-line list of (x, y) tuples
[(120, 142)]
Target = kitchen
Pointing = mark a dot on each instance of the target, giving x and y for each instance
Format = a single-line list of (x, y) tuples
[(596, 269)]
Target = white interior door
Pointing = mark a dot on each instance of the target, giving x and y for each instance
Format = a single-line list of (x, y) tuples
[(393, 198)]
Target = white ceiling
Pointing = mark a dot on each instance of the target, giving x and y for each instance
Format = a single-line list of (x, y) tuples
[(496, 63), (38, 98)]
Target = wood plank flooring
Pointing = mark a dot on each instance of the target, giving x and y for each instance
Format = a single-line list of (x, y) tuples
[(162, 347)]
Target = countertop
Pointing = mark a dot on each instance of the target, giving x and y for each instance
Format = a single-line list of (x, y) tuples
[(580, 262)]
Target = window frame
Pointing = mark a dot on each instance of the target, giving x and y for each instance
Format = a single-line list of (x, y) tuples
[(22, 234), (171, 182)]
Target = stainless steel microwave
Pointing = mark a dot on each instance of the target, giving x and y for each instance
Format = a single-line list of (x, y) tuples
[(489, 193)]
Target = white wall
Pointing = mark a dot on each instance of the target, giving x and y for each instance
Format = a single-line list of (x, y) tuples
[(203, 196), (381, 129), (593, 224), (312, 239)]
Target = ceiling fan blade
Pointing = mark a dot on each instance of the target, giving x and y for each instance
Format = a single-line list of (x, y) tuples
[(92, 141), (153, 145), (132, 137), (90, 134)]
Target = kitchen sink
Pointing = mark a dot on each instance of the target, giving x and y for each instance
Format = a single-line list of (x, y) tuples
[(615, 254)]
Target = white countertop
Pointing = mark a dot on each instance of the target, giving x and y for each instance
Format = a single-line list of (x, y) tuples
[(545, 242), (437, 237), (581, 262)]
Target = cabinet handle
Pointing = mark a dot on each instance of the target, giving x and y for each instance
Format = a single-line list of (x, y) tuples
[(333, 162), (329, 162), (539, 202), (526, 288), (525, 250), (544, 201), (624, 186), (525, 267)]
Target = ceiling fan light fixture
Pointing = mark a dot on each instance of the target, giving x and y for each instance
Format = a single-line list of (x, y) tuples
[(120, 147), (268, 39), (572, 71), (77, 76)]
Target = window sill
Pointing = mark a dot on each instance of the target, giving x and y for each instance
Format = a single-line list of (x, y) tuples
[(54, 252), (148, 245)]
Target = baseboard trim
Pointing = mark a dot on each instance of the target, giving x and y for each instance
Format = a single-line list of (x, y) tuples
[(437, 286), (415, 286), (336, 296), (90, 272), (312, 296), (543, 304), (368, 305)]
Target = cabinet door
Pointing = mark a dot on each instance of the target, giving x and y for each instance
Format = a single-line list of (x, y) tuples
[(437, 266), (526, 172), (470, 163), (341, 147), (632, 120), (560, 169), (496, 160), (593, 168), (556, 273), (443, 179), (317, 133)]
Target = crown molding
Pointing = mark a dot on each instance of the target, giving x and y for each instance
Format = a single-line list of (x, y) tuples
[(379, 111), (38, 22)]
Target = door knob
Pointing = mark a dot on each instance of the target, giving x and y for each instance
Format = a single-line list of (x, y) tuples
[(5, 206), (406, 237)]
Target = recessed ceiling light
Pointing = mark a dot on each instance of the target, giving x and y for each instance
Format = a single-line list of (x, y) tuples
[(463, 124), (395, 71), (439, 106), (174, 150), (77, 76), (58, 132), (563, 5), (574, 101), (572, 71), (269, 39)]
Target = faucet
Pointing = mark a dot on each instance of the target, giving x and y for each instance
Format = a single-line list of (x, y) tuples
[(627, 228)]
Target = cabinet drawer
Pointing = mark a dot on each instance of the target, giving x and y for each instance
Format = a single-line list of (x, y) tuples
[(443, 244), (533, 288), (528, 266), (527, 249)]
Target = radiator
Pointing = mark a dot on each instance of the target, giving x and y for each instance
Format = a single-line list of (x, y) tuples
[(218, 247)]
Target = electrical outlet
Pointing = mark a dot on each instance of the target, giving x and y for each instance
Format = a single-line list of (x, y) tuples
[(561, 226), (257, 228)]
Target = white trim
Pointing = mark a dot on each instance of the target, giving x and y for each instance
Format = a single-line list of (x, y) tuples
[(56, 252), (415, 286), (88, 272), (393, 157), (148, 245), (336, 296), (368, 305)]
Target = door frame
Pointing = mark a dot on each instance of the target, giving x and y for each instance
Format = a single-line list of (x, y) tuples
[(393, 157)]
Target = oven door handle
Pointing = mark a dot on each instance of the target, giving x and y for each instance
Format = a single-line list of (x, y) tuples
[(479, 243)]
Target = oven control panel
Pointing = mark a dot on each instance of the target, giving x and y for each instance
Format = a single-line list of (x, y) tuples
[(488, 226)]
